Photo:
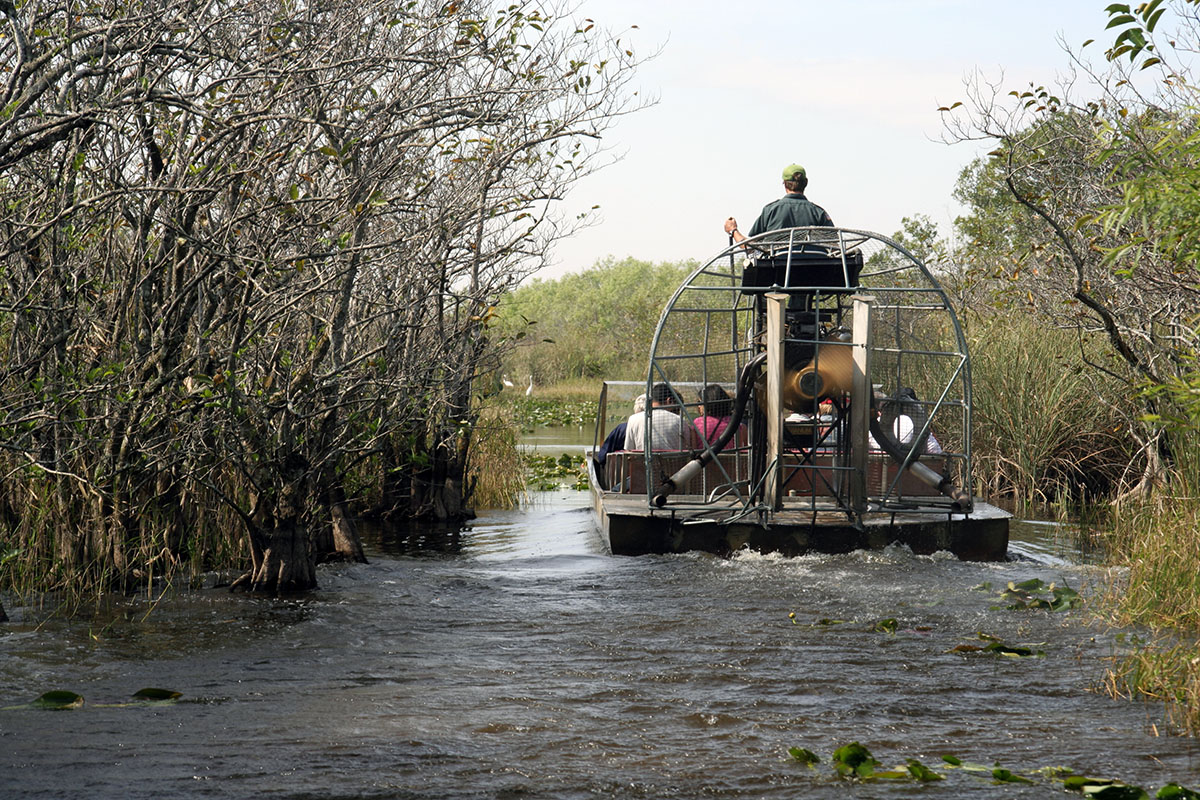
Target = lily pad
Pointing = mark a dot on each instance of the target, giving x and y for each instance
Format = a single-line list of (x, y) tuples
[(922, 772), (996, 646), (157, 695), (854, 760), (1036, 594), (803, 755), (1001, 775), (58, 700), (1173, 791)]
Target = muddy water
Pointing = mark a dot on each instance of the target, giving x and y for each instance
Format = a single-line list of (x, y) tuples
[(519, 660)]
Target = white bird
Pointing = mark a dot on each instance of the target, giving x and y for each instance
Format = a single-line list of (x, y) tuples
[(506, 381), (529, 391)]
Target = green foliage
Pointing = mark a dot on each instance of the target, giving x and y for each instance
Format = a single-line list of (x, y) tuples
[(1135, 24), (922, 772), (64, 700), (593, 324), (1001, 775), (156, 695)]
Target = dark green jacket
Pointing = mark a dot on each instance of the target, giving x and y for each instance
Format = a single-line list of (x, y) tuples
[(790, 211)]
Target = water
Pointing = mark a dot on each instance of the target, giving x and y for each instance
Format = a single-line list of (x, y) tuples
[(525, 662)]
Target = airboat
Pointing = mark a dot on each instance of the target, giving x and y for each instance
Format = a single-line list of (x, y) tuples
[(848, 419)]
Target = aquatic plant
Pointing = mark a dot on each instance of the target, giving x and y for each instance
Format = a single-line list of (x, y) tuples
[(1036, 594), (496, 473), (854, 761), (996, 646), (546, 472), (536, 412)]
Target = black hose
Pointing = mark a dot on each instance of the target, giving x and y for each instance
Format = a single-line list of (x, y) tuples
[(962, 500), (741, 400)]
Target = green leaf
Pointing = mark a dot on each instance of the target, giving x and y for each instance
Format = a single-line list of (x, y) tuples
[(1002, 775), (922, 772), (1123, 19), (1173, 791), (854, 760), (803, 755), (58, 700)]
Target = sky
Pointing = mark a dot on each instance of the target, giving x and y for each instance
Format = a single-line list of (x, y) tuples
[(849, 89)]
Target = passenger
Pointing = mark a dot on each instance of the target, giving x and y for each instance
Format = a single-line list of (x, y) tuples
[(903, 426), (793, 210), (715, 411), (615, 441), (668, 430)]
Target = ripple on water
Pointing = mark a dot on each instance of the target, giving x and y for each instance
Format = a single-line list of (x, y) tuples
[(525, 661)]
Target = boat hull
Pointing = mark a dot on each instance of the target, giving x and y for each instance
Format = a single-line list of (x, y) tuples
[(629, 526)]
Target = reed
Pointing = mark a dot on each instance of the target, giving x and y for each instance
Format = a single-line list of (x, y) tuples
[(1156, 541), (1045, 429), (1167, 670), (496, 470)]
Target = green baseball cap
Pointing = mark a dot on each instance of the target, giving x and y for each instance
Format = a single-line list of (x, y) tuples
[(792, 170)]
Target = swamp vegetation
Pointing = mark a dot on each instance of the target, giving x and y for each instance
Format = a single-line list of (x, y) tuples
[(260, 269), (250, 255)]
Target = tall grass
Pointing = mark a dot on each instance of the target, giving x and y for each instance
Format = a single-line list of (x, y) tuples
[(1157, 542), (1046, 426), (496, 468)]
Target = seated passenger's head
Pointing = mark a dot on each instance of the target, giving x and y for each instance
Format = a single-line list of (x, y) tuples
[(660, 395), (716, 401), (639, 404)]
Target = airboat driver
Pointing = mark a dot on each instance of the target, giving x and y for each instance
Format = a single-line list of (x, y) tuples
[(793, 210)]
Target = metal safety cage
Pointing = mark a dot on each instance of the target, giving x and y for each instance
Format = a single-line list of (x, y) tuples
[(813, 455)]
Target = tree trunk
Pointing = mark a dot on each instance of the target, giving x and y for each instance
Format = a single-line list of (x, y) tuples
[(345, 535), (340, 542), (280, 561)]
